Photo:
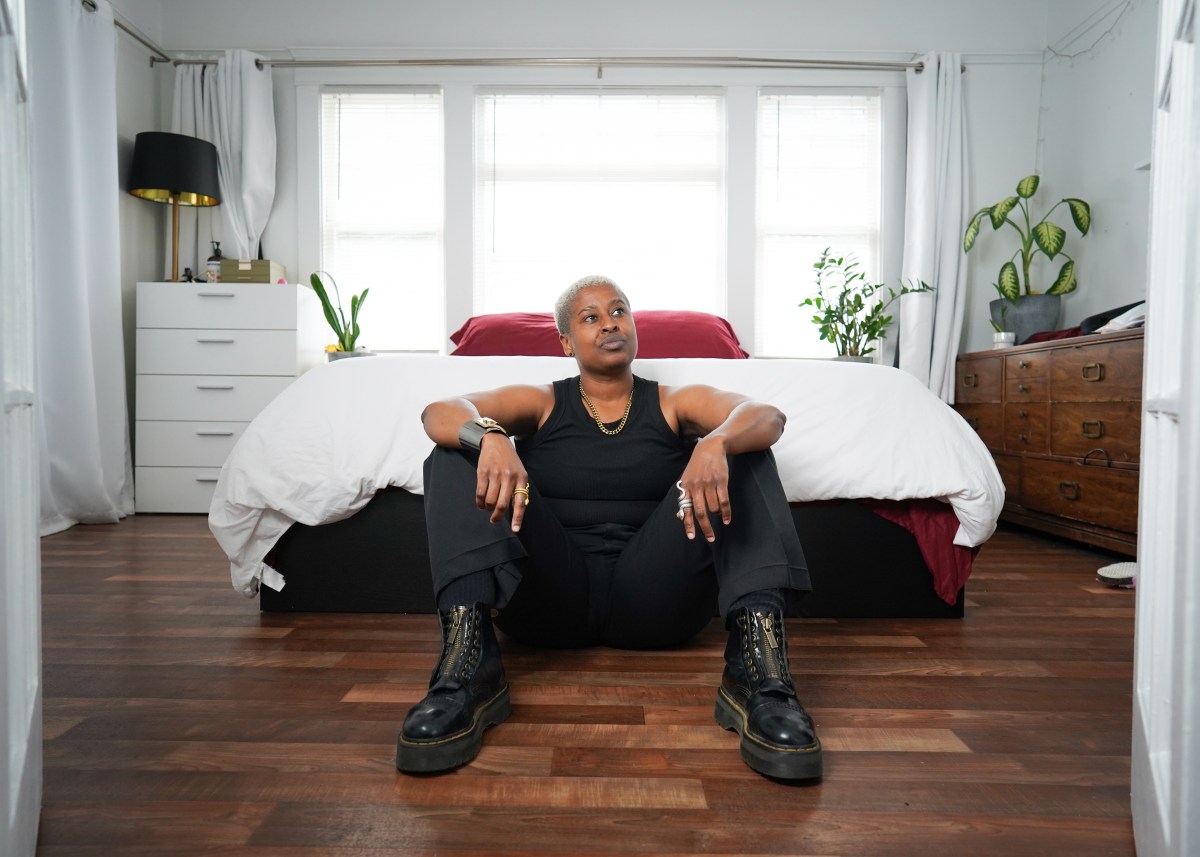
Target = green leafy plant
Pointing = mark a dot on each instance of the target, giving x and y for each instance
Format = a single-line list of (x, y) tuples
[(1044, 236), (347, 330), (851, 312), (1005, 303)]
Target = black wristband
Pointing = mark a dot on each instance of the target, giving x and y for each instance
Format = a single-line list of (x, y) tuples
[(470, 435)]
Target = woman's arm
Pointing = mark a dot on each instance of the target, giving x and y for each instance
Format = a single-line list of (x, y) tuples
[(520, 410), (727, 424)]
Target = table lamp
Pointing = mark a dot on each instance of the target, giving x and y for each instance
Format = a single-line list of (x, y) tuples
[(175, 169)]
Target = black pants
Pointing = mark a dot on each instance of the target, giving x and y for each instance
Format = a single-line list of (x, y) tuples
[(613, 584)]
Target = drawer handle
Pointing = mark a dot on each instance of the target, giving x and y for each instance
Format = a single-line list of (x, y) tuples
[(214, 386), (214, 434), (1104, 452), (206, 479), (970, 380), (216, 294), (1022, 438), (1022, 414), (1092, 372), (1021, 388), (1068, 490), (216, 341), (1022, 365), (1092, 428)]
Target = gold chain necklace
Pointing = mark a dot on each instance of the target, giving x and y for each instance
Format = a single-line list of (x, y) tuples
[(596, 415)]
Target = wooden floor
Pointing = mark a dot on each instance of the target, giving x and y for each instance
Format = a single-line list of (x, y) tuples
[(180, 720)]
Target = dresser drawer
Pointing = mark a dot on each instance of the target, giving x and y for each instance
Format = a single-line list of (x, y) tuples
[(1100, 372), (185, 444), (204, 397), (174, 489), (979, 380), (987, 420), (1078, 428), (1025, 427), (265, 306), (1026, 377), (1095, 495), (180, 351)]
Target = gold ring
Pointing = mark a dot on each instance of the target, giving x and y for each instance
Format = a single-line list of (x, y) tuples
[(523, 491)]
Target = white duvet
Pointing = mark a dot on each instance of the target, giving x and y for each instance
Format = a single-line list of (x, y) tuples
[(345, 430)]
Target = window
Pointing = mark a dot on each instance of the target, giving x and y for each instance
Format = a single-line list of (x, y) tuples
[(819, 185), (382, 190), (630, 184)]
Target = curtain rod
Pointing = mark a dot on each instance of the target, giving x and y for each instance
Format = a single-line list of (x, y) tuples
[(162, 55), (598, 62)]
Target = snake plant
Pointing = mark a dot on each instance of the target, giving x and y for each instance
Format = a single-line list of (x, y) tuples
[(347, 330)]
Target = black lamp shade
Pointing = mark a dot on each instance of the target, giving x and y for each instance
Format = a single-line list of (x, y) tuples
[(174, 166)]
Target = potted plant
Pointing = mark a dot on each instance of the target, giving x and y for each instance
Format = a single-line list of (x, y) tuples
[(347, 330), (1028, 309), (851, 312)]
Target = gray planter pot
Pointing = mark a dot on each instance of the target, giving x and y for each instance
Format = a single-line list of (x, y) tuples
[(1029, 315), (338, 355)]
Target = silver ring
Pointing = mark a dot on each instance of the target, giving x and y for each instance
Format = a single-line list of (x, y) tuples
[(683, 505), (682, 491)]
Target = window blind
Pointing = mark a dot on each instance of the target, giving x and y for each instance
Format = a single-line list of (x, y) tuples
[(630, 184), (819, 185), (382, 200)]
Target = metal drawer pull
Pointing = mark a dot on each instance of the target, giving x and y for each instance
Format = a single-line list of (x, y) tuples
[(1096, 370), (1092, 428), (214, 386), (214, 434), (216, 341), (1068, 490), (206, 479), (1022, 365), (216, 294), (1104, 452), (1022, 414), (1022, 438), (1021, 388), (970, 380)]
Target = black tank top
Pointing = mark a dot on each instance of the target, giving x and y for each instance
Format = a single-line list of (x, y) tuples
[(588, 477)]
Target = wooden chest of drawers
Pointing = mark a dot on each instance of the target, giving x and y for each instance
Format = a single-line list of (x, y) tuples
[(210, 356), (1063, 421)]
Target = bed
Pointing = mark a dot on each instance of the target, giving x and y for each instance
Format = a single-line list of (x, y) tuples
[(318, 506)]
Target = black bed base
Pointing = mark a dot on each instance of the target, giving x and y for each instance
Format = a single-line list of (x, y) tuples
[(377, 561)]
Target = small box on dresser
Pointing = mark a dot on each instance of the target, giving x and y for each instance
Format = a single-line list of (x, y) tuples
[(1063, 421), (210, 356)]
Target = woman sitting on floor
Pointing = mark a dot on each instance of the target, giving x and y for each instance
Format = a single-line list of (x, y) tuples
[(588, 536)]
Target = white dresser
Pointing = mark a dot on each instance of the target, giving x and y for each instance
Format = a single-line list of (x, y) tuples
[(210, 356)]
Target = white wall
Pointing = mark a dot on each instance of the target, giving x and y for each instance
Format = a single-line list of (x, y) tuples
[(1104, 100), (1098, 114)]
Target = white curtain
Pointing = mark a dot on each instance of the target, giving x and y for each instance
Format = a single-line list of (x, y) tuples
[(935, 211), (86, 472), (231, 104)]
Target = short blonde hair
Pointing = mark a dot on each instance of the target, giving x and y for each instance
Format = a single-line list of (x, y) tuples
[(562, 306)]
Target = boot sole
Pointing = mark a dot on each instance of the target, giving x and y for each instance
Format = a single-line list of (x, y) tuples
[(454, 751), (771, 760)]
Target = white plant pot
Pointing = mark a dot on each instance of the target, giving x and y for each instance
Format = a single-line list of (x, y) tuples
[(1004, 339)]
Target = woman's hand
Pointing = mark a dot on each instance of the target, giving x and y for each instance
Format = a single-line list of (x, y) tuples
[(706, 483), (500, 475)]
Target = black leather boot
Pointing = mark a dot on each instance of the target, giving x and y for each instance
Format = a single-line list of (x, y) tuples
[(467, 693), (758, 701)]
